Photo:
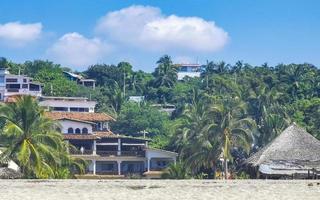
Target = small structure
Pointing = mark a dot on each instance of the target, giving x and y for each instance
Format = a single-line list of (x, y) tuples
[(80, 79), (293, 154), (168, 108)]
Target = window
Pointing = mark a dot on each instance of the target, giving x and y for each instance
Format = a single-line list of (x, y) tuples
[(1, 79), (60, 109), (78, 131), (24, 80), (85, 130), (70, 130), (34, 87), (25, 86), (11, 80), (13, 86)]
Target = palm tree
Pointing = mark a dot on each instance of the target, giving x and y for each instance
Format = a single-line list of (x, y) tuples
[(165, 73), (233, 128), (177, 170), (35, 145), (194, 137)]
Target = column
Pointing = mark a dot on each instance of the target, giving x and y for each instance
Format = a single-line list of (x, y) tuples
[(148, 164), (119, 167), (94, 147), (119, 147), (68, 146), (94, 167)]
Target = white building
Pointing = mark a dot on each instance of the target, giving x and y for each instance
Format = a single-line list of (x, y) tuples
[(107, 153), (188, 70), (67, 104), (14, 85)]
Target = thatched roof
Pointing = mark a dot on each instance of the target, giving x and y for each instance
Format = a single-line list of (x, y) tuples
[(8, 173), (293, 145)]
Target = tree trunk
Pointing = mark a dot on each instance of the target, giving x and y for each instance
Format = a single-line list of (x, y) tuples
[(226, 168)]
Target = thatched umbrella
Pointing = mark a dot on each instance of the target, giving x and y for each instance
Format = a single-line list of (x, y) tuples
[(8, 173), (294, 148)]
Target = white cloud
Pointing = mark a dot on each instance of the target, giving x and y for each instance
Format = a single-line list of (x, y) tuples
[(147, 28), (73, 49), (17, 34)]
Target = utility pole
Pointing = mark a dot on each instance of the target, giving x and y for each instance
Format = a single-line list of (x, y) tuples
[(124, 84)]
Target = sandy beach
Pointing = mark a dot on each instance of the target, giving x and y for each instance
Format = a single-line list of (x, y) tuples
[(158, 189)]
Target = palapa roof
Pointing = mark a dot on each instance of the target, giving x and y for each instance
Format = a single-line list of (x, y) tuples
[(293, 145), (8, 173), (80, 116)]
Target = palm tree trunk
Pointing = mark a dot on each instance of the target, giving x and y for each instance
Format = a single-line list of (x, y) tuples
[(226, 168)]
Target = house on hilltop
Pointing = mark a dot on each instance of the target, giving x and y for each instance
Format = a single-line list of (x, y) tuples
[(91, 83), (15, 85)]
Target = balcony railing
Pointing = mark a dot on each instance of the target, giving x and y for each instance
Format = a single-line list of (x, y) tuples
[(108, 153), (78, 152)]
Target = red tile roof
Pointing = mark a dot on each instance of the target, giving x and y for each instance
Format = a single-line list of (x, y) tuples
[(82, 116)]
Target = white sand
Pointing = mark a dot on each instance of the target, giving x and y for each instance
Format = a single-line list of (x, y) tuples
[(158, 189)]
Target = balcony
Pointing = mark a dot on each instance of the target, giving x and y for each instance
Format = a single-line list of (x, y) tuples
[(78, 152), (108, 153)]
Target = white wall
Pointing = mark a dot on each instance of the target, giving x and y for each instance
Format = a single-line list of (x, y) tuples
[(181, 75), (157, 153), (69, 104), (65, 124)]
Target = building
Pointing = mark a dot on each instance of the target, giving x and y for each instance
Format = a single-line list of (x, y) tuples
[(67, 104), (15, 85), (293, 154), (107, 153), (188, 70), (80, 79)]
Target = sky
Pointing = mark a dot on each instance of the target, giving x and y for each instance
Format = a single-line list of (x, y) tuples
[(80, 33)]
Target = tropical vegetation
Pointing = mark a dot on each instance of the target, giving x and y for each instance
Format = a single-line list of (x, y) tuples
[(221, 117)]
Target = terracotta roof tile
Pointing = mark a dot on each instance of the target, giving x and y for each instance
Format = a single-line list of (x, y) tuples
[(82, 116)]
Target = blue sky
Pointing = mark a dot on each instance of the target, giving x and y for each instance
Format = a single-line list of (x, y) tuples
[(77, 33)]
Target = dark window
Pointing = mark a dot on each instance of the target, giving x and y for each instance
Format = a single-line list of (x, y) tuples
[(11, 80), (24, 80), (70, 130), (78, 131), (85, 130), (24, 85), (74, 109), (34, 87), (13, 86), (60, 109)]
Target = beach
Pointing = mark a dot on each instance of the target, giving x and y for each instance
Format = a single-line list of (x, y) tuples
[(158, 189)]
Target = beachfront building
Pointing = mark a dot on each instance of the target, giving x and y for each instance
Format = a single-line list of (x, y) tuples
[(91, 83), (293, 154), (15, 85), (107, 153), (188, 70)]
